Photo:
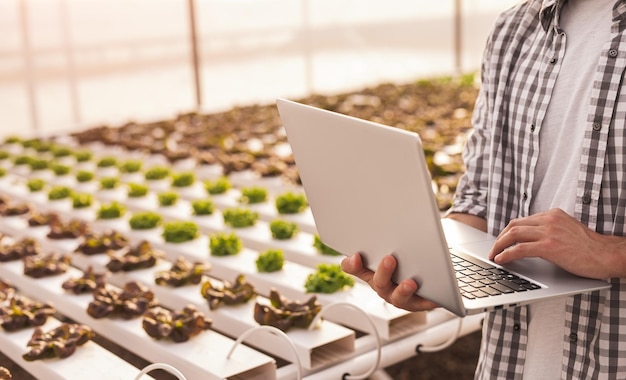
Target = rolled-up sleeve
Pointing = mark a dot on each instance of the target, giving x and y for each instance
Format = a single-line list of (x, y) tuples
[(471, 193)]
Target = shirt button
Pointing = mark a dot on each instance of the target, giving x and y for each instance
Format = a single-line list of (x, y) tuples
[(532, 127), (516, 327), (586, 198), (573, 337), (613, 53), (525, 195), (553, 60), (596, 126)]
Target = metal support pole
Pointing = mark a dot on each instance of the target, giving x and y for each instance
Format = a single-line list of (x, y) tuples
[(458, 38), (308, 46), (71, 64), (28, 65), (194, 53)]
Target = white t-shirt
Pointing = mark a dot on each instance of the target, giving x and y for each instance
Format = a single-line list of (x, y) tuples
[(586, 24)]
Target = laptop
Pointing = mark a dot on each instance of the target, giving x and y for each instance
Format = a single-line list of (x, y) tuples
[(370, 191)]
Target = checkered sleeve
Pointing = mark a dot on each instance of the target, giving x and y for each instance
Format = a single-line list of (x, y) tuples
[(471, 192)]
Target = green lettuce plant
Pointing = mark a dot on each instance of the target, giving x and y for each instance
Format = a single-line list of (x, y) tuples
[(224, 244), (145, 220)]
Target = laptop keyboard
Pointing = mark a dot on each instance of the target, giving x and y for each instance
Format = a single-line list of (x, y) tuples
[(478, 279)]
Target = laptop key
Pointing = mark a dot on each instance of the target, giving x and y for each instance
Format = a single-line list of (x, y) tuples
[(477, 262), (488, 279), (515, 287), (491, 290), (476, 276), (479, 294), (501, 288), (465, 279)]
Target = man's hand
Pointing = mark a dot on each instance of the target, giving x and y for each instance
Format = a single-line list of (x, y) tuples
[(401, 295), (561, 239)]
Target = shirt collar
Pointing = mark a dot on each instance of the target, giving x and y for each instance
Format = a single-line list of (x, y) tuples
[(619, 14), (551, 10)]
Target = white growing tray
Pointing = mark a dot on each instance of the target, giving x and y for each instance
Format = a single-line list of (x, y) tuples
[(267, 210), (299, 249), (202, 357), (389, 320), (310, 345), (329, 340), (89, 361)]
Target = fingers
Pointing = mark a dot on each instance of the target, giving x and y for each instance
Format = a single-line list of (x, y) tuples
[(354, 265), (401, 295), (405, 298), (404, 292), (511, 245), (382, 277), (518, 238), (511, 235), (379, 280), (503, 242), (516, 252)]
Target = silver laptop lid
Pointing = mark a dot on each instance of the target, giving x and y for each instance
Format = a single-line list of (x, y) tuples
[(346, 163)]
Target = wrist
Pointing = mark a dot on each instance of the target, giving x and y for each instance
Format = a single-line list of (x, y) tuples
[(616, 257)]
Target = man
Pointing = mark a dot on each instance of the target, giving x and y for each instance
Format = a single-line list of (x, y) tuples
[(546, 174)]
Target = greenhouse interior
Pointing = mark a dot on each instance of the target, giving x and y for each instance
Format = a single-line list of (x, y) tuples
[(154, 223)]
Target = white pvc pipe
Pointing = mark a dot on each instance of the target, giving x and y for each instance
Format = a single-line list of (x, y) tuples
[(399, 350), (164, 366), (275, 331)]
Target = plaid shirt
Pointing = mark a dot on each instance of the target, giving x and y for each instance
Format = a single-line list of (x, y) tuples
[(520, 66)]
